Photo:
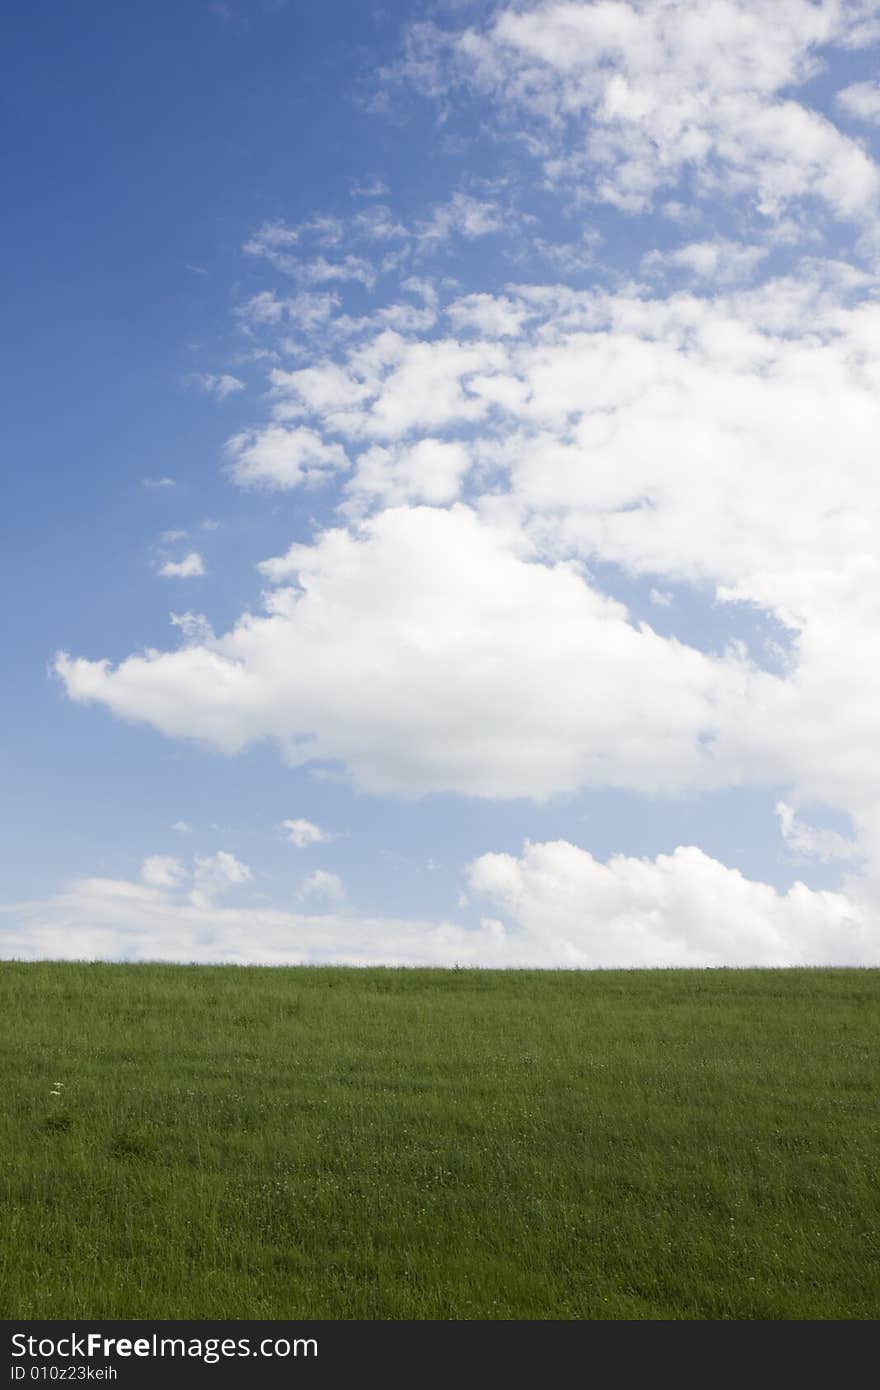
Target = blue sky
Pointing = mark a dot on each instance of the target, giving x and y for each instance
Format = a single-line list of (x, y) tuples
[(442, 492)]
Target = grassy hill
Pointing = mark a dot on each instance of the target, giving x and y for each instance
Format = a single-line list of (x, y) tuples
[(337, 1143)]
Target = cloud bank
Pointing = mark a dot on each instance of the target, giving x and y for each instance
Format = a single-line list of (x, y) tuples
[(559, 908)]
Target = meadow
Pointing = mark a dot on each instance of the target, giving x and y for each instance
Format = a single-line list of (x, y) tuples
[(336, 1143)]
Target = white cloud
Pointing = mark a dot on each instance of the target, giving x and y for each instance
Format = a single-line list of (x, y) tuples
[(320, 271), (681, 909), (303, 833), (694, 442), (271, 237), (194, 627), (220, 386), (158, 482), (464, 216), (429, 471), (557, 908), (305, 311), (392, 386), (378, 223), (321, 884), (182, 827), (623, 101), (861, 100), (262, 309), (812, 842), (283, 247), (275, 457), (667, 435), (163, 871), (192, 566), (209, 877), (326, 229), (495, 316), (369, 188), (426, 289), (720, 442), (216, 874), (568, 257), (720, 261), (112, 919), (478, 670)]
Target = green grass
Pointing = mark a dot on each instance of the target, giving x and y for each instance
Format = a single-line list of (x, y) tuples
[(334, 1143)]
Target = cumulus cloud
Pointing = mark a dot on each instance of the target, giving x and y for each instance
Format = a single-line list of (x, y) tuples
[(681, 909), (685, 439), (478, 671), (216, 874), (304, 833), (432, 470), (208, 878), (95, 916), (714, 443), (861, 100), (553, 907), (192, 566), (623, 101), (392, 386), (493, 316), (275, 457), (665, 434)]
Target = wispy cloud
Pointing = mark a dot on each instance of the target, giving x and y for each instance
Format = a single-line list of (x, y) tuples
[(861, 101), (464, 216), (370, 188), (323, 884), (720, 261), (813, 842), (302, 834), (192, 566), (220, 386)]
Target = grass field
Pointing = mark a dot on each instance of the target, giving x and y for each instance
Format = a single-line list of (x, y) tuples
[(334, 1143)]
